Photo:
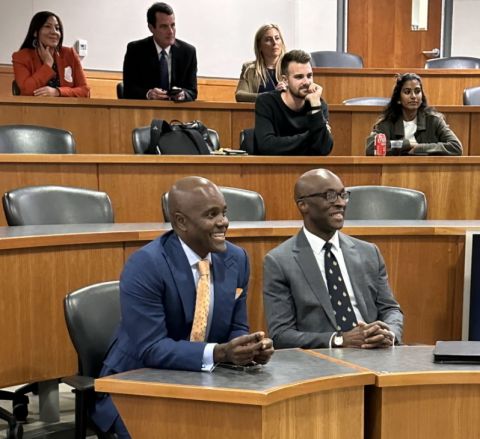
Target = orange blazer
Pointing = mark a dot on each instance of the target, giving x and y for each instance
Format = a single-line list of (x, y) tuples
[(31, 73)]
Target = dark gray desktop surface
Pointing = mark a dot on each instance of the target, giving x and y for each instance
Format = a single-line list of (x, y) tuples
[(286, 367), (400, 359)]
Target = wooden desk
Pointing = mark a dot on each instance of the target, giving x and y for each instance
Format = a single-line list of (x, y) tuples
[(135, 184), (296, 395), (39, 265), (415, 398), (104, 126), (442, 86)]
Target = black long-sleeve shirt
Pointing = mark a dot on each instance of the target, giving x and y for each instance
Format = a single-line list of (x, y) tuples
[(282, 131)]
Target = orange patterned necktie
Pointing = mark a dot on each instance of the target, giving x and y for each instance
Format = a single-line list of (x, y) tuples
[(202, 306)]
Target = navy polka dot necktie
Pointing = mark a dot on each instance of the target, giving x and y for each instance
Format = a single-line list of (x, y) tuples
[(342, 307)]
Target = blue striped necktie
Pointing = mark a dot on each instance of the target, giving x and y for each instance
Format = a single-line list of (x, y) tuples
[(164, 71)]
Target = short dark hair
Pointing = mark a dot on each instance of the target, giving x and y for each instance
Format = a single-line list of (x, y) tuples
[(38, 20), (299, 56), (158, 7)]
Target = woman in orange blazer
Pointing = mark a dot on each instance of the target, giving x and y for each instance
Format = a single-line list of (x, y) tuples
[(43, 67)]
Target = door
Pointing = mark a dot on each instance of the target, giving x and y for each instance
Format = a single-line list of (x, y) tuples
[(380, 31)]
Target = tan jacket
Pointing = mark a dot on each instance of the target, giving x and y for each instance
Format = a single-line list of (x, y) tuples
[(247, 88)]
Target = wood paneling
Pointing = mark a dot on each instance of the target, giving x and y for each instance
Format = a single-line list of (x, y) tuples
[(103, 85), (321, 414), (35, 343), (380, 32), (441, 86)]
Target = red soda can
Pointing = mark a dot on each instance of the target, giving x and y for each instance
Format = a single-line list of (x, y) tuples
[(380, 144)]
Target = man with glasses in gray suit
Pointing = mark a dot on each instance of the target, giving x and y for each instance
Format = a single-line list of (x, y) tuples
[(323, 288)]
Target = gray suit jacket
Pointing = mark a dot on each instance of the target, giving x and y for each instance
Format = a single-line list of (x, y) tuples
[(297, 304)]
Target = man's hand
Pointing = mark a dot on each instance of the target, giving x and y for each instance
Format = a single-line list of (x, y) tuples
[(157, 94), (244, 349), (368, 336), (314, 94)]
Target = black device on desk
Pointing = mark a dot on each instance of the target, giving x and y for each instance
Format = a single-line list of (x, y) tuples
[(466, 352)]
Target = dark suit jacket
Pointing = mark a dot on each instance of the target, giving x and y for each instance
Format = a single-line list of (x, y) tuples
[(157, 295), (141, 68), (297, 304)]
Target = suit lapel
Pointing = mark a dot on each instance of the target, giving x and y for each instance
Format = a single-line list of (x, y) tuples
[(182, 274), (305, 258), (174, 58), (224, 285), (353, 261)]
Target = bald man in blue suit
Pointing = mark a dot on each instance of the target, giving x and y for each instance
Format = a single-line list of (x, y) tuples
[(158, 298)]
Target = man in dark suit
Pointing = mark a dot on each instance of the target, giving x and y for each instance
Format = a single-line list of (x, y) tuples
[(323, 288), (159, 298), (160, 66)]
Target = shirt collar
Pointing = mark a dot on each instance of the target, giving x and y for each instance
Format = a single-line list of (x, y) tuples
[(159, 49), (317, 243), (192, 257)]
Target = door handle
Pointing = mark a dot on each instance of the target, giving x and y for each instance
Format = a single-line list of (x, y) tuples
[(434, 53)]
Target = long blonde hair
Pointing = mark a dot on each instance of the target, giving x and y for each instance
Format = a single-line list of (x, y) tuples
[(260, 66)]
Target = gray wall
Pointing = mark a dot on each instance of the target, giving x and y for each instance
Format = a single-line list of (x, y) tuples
[(221, 30), (465, 28)]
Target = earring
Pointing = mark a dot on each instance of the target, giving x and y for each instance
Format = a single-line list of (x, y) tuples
[(35, 43)]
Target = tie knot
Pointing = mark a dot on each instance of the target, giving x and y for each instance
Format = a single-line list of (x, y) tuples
[(163, 53), (327, 247), (204, 267)]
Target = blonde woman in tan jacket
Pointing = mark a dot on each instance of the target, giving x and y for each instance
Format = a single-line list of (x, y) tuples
[(263, 74)]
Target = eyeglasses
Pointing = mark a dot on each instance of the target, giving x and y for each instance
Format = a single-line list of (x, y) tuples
[(331, 196)]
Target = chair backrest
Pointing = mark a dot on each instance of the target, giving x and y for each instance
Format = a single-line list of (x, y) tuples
[(92, 314), (242, 204), (385, 203), (141, 139), (247, 140), (453, 62), (15, 88), (471, 96), (33, 139), (120, 90), (329, 58), (367, 100), (36, 205)]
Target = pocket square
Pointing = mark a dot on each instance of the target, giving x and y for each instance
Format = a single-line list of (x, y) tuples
[(238, 292)]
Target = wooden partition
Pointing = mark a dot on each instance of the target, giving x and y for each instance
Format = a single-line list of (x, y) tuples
[(103, 85), (103, 126), (39, 265), (441, 86), (135, 184)]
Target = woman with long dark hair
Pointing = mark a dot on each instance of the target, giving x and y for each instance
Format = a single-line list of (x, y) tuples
[(42, 66), (407, 117)]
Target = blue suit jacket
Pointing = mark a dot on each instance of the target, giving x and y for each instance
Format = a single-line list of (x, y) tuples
[(157, 295)]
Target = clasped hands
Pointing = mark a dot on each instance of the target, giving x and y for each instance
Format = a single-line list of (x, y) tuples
[(368, 336), (244, 349), (160, 94)]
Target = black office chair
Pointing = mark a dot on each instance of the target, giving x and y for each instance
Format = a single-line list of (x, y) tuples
[(329, 58), (453, 62), (471, 96), (367, 100), (141, 139), (385, 203), (15, 430), (15, 88), (36, 205), (120, 90), (92, 314), (247, 140), (242, 205), (33, 139)]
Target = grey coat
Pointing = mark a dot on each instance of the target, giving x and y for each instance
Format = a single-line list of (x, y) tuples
[(297, 304)]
